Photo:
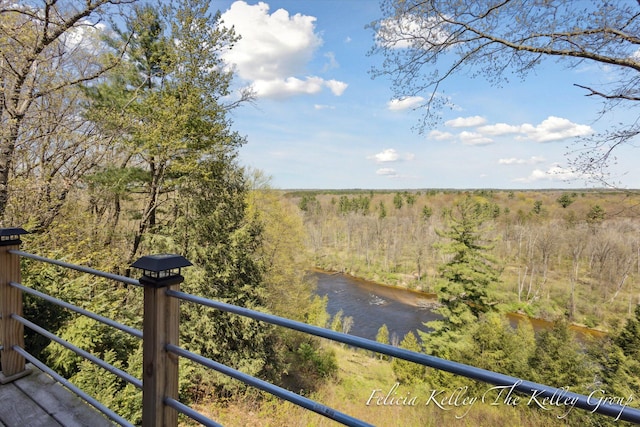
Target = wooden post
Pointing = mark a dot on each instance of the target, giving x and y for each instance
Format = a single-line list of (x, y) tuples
[(160, 368), (11, 331), (161, 326)]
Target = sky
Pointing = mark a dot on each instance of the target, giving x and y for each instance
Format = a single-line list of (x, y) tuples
[(319, 120)]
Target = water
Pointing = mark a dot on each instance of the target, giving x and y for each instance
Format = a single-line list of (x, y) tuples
[(372, 305)]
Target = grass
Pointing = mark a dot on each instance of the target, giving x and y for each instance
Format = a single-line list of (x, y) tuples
[(362, 379)]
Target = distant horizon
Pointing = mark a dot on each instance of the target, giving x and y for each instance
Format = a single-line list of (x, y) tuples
[(573, 189)]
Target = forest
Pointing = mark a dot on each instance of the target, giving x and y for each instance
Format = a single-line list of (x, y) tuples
[(118, 144)]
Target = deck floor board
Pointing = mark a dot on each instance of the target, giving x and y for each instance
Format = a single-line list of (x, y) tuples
[(36, 400)]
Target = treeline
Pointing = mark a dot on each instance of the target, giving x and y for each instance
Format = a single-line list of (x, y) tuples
[(562, 254), (137, 157)]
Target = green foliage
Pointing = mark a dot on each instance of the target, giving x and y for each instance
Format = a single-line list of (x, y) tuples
[(322, 363), (560, 361), (382, 210), (427, 212), (596, 215), (398, 201), (565, 199), (383, 337), (496, 346), (470, 271), (537, 207), (408, 372)]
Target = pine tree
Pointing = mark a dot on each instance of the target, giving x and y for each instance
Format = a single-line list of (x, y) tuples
[(405, 371), (464, 279), (383, 337)]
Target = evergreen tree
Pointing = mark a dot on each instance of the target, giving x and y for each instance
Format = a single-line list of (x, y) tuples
[(465, 278), (383, 337), (560, 361), (470, 270), (405, 371)]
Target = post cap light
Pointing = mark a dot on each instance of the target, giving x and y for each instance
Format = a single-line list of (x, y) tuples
[(161, 270), (11, 236)]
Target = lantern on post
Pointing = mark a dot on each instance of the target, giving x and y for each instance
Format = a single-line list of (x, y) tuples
[(11, 236), (161, 270)]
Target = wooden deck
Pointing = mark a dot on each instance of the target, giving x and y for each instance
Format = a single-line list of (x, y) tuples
[(36, 400)]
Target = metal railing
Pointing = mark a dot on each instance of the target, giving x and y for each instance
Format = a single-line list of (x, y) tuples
[(161, 279)]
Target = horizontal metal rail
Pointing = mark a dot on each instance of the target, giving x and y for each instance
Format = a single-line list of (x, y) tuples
[(124, 328), (190, 412), (80, 352), (80, 268), (84, 396), (535, 390), (270, 388)]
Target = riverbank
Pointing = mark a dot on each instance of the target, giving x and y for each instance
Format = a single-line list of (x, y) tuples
[(426, 300)]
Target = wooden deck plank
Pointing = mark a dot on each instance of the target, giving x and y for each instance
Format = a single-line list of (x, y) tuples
[(37, 400)]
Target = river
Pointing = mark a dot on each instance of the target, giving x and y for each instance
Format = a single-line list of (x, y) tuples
[(372, 305)]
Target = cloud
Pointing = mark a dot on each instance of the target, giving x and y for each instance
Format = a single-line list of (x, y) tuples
[(554, 129), (440, 136), (387, 172), (331, 62), (323, 107), (551, 129), (336, 87), (274, 51), (554, 173), (513, 161), (281, 88), (405, 103), (388, 155), (498, 129), (391, 155), (474, 138), (465, 122)]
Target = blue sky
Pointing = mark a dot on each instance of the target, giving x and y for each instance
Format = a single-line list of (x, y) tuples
[(321, 121)]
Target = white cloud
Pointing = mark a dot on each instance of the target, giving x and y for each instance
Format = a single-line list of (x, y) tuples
[(464, 122), (280, 88), (498, 129), (474, 138), (440, 136), (554, 129), (331, 62), (391, 155), (551, 129), (336, 87), (274, 50), (513, 161), (323, 107), (387, 172), (554, 173), (405, 103)]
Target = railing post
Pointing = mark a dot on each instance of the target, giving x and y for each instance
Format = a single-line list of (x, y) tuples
[(160, 327), (11, 331)]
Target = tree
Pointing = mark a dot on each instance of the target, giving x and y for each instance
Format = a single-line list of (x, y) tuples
[(409, 372), (470, 269), (40, 56), (164, 102), (425, 43), (383, 337), (465, 278), (565, 200), (595, 216)]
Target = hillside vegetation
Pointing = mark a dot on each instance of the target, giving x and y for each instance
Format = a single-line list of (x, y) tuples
[(563, 254)]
